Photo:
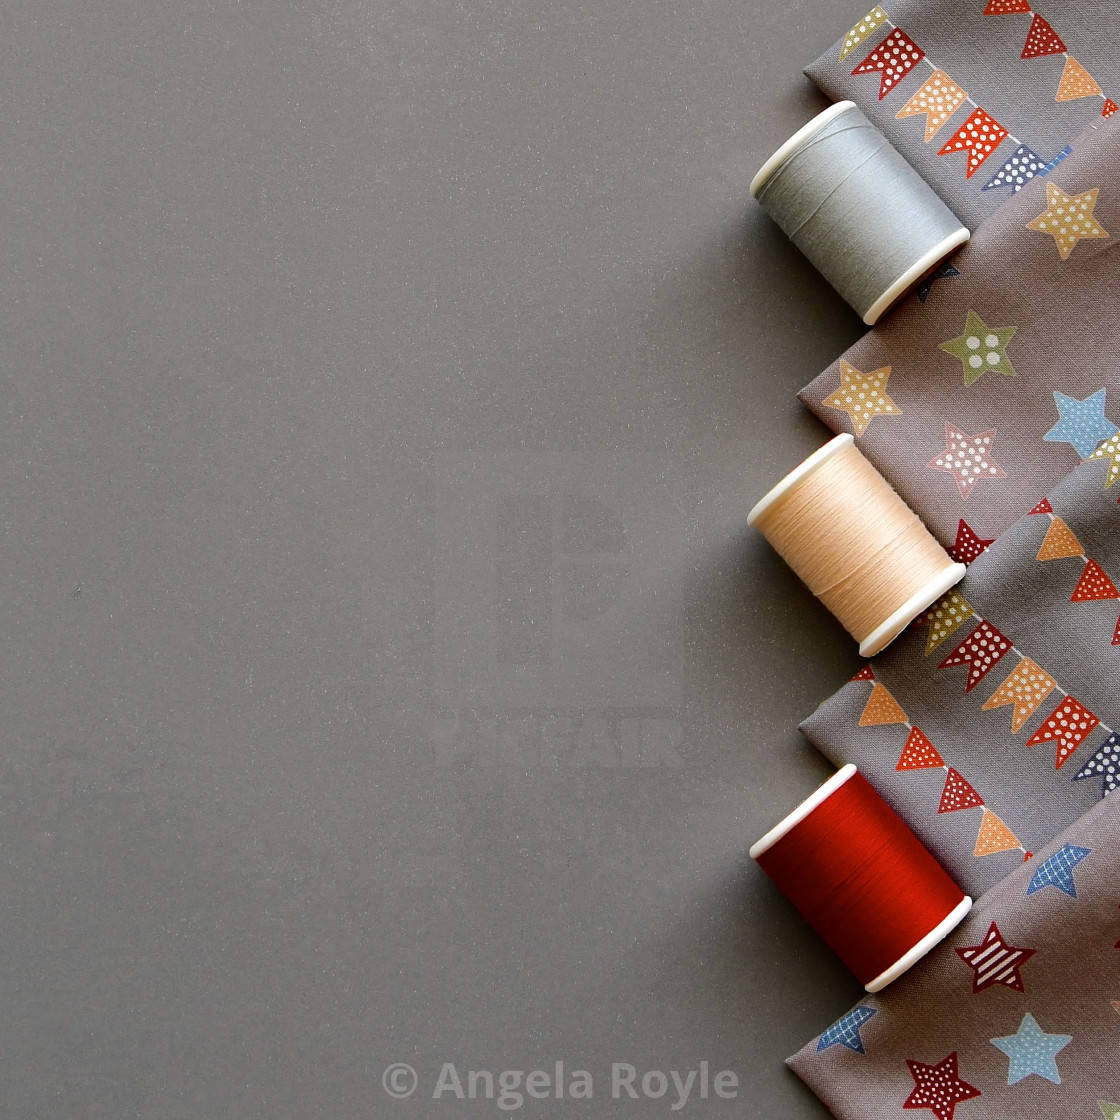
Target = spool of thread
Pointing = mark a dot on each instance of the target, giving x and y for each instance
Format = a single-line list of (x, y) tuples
[(856, 544), (866, 219), (862, 879)]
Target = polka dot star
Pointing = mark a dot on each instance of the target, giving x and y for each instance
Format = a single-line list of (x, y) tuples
[(1069, 218), (967, 458), (981, 349), (1032, 1051), (1081, 423), (938, 1087), (939, 98), (862, 396)]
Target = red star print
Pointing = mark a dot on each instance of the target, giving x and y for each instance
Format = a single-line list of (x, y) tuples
[(938, 1087), (968, 544), (967, 459), (995, 961)]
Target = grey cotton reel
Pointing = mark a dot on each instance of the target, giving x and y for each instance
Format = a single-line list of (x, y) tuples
[(871, 225)]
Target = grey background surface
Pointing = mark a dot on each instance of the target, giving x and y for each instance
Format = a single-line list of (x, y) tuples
[(388, 672)]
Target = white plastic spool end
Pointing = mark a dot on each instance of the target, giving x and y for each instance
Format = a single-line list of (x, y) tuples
[(795, 141), (792, 820), (798, 475), (934, 937), (886, 632), (900, 286)]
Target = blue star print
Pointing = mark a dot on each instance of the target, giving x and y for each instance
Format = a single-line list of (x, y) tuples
[(845, 1031), (1057, 871), (1082, 423), (1032, 1050)]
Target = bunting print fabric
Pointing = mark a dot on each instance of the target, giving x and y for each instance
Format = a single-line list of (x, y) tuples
[(1010, 83), (994, 721), (1014, 1015), (980, 392)]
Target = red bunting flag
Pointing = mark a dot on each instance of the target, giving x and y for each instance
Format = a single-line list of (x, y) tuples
[(980, 135), (919, 753), (1068, 725), (1116, 635), (895, 57), (1110, 107), (958, 794), (1043, 507), (968, 544), (1003, 7), (865, 674), (1094, 584), (980, 651), (1042, 39)]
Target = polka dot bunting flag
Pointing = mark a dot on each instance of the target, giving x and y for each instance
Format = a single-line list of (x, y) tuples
[(980, 135), (1076, 82), (1003, 7), (958, 794), (881, 708), (994, 837), (894, 57), (1059, 542), (1026, 688), (1093, 585), (1105, 764), (939, 98), (1068, 725), (980, 651), (919, 753), (945, 616), (1042, 40), (1021, 167), (874, 18)]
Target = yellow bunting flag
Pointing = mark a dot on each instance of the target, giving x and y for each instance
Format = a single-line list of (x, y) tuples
[(1059, 542), (1076, 82), (939, 98), (945, 616), (881, 707), (994, 836), (1110, 450), (874, 18), (1026, 688)]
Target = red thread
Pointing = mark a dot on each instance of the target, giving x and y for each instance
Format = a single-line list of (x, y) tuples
[(861, 879)]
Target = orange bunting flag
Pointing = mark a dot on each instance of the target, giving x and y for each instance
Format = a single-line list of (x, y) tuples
[(1042, 40), (1059, 542), (1003, 7), (958, 794), (1076, 82), (1094, 584), (979, 651), (1026, 688), (919, 753), (994, 836), (894, 57), (939, 98), (980, 135), (881, 707), (1068, 725)]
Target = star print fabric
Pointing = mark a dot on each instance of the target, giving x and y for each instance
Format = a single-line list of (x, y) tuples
[(994, 380), (991, 723), (1039, 78), (1011, 1016)]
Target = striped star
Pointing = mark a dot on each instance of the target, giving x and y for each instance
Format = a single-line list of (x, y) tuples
[(862, 396), (1069, 218), (995, 961)]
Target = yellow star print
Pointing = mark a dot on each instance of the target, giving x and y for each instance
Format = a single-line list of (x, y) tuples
[(1069, 218), (862, 396)]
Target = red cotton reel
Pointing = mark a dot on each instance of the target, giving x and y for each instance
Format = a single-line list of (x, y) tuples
[(862, 879)]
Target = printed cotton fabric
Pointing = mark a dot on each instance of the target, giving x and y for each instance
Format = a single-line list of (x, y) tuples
[(1015, 1015), (979, 95), (991, 724), (993, 380)]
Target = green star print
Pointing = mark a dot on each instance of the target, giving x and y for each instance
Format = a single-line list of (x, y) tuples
[(981, 349)]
